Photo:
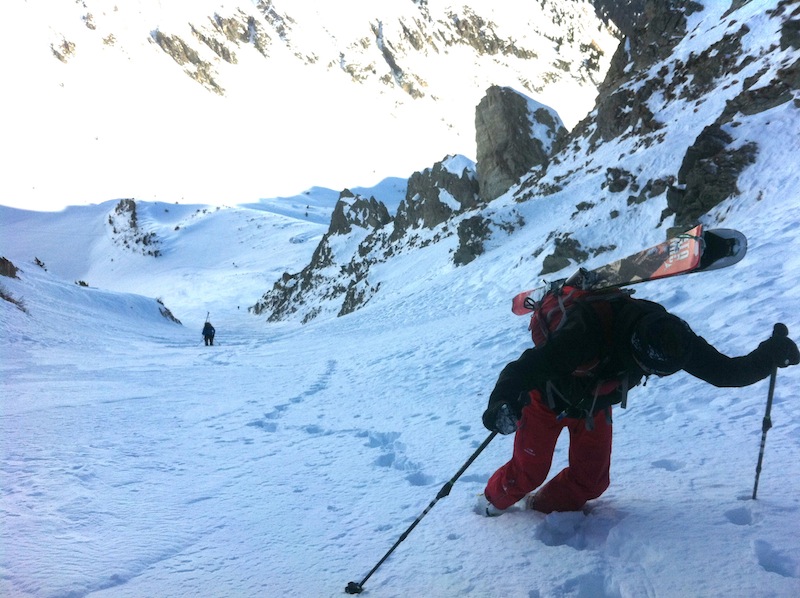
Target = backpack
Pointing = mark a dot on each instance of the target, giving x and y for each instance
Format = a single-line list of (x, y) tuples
[(551, 312)]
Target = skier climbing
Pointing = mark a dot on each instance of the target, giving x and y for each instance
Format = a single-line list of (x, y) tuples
[(208, 333), (586, 359)]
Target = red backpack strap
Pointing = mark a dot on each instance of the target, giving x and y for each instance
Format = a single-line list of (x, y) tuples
[(550, 314)]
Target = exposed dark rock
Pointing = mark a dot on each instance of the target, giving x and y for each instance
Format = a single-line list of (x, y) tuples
[(7, 268), (126, 232), (352, 210), (473, 30), (182, 53), (435, 194), (127, 207), (701, 72), (653, 31), (166, 313), (320, 281), (358, 293), (618, 179), (624, 14), (653, 188), (507, 147), (433, 198), (790, 34), (472, 232), (780, 90), (708, 175), (567, 251), (63, 50)]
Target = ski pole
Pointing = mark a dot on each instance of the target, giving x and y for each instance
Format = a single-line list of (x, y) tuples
[(357, 588), (766, 424)]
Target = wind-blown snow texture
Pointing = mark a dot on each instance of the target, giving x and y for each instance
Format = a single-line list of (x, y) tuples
[(287, 459)]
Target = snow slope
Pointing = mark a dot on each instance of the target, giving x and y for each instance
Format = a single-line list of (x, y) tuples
[(288, 459)]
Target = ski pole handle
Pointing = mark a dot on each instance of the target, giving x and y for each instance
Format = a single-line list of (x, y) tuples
[(777, 331)]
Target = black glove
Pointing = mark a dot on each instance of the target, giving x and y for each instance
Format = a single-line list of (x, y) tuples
[(781, 350), (503, 414), (499, 417)]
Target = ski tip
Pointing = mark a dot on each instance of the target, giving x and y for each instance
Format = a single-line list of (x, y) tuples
[(723, 247), (520, 305), (735, 239)]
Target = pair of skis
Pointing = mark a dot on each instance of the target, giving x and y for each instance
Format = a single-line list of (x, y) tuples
[(696, 250)]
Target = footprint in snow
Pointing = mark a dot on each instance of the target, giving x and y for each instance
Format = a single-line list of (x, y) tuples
[(776, 561), (668, 464), (263, 425), (582, 530), (740, 516), (393, 455), (593, 583), (319, 385)]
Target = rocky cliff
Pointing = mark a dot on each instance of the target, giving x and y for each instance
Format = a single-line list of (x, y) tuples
[(672, 133), (514, 134), (362, 235)]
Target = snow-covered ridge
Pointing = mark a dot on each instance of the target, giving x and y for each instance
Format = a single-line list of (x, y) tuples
[(650, 172), (232, 101), (119, 423)]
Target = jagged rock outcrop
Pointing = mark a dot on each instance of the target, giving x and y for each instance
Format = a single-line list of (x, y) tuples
[(335, 275), (435, 194), (645, 78), (513, 134), (708, 175), (388, 46), (127, 232), (440, 202), (7, 268), (567, 251), (653, 31), (360, 212), (362, 234), (712, 164), (658, 102), (665, 89), (654, 28), (223, 35), (472, 233), (186, 56), (623, 14)]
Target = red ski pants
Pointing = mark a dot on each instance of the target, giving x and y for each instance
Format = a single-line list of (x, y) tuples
[(586, 477)]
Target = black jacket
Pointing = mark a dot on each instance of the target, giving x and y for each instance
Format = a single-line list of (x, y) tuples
[(549, 369)]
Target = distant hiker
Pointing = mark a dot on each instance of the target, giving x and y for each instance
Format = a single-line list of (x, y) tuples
[(585, 360), (208, 333)]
